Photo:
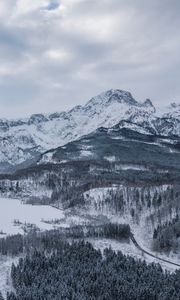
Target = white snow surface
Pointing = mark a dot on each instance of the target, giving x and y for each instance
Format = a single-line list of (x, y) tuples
[(13, 209), (169, 111), (24, 138)]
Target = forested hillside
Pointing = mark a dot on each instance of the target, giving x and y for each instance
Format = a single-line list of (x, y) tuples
[(78, 271), (112, 176), (167, 236)]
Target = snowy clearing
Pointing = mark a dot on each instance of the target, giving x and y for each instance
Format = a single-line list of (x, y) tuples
[(13, 209)]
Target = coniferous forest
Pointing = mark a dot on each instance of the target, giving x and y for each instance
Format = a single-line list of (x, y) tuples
[(52, 267), (89, 150), (78, 271)]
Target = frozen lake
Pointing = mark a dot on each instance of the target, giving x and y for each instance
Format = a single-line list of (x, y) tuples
[(12, 209)]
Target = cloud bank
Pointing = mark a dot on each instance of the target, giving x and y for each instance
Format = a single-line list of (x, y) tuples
[(56, 54)]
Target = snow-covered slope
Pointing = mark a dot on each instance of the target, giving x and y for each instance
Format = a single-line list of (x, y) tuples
[(169, 111), (134, 149), (22, 140)]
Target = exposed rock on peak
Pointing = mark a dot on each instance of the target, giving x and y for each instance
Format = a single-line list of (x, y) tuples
[(40, 132), (175, 105), (37, 118), (148, 105)]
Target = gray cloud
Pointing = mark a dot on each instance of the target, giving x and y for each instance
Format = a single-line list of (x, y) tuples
[(56, 54)]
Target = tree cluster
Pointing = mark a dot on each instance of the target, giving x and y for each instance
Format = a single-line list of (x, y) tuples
[(166, 236), (17, 244), (77, 271)]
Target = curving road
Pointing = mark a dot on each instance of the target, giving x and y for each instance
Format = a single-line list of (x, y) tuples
[(150, 254)]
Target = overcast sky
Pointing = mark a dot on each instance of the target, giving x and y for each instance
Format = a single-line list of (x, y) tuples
[(56, 54)]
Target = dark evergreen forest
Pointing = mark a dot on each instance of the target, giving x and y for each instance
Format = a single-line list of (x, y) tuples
[(18, 244), (53, 267), (77, 271), (166, 236)]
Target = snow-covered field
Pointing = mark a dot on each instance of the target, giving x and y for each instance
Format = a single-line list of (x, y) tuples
[(13, 209)]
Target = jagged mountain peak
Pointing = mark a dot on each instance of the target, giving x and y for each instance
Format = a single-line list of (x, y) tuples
[(37, 118), (110, 96), (175, 105), (172, 111), (148, 103), (42, 132)]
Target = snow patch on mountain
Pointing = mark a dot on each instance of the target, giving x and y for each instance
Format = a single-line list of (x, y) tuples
[(173, 111), (23, 139)]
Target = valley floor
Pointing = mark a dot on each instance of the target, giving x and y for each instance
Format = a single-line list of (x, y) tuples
[(11, 209), (14, 211)]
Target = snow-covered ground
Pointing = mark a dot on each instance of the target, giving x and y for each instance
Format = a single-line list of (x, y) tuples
[(5, 270), (142, 230), (13, 209), (129, 249), (143, 236)]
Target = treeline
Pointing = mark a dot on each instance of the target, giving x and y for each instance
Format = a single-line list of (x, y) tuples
[(160, 202), (17, 244), (77, 271), (165, 237), (68, 181)]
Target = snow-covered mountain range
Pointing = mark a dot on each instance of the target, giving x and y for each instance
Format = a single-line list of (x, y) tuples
[(22, 140)]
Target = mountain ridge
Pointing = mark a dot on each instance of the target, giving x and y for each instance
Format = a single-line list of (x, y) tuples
[(22, 140), (44, 117)]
